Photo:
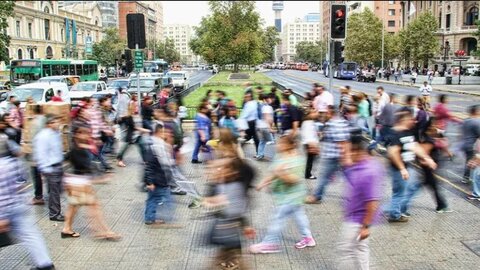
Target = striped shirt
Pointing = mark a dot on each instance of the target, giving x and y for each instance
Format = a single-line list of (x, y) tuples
[(11, 174), (336, 131)]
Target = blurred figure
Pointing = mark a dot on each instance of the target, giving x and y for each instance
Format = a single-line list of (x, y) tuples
[(107, 116), (79, 188), (429, 178), (14, 216), (362, 197), (159, 165), (322, 101), (425, 91), (291, 116), (474, 165), (233, 178), (38, 123), (228, 120), (443, 115), (310, 141), (202, 132), (57, 97), (147, 113), (11, 130), (16, 120), (251, 113), (336, 134), (289, 193), (275, 105), (100, 128), (48, 155), (264, 125), (293, 99), (470, 134), (402, 150), (345, 100), (421, 120)]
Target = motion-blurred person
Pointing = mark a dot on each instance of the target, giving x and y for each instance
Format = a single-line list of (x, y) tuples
[(471, 134), (48, 155), (310, 141), (264, 125), (387, 117), (443, 116), (228, 120), (321, 102), (147, 112), (108, 117), (159, 165), (38, 123), (474, 165), (14, 216), (402, 150), (336, 134), (79, 188), (16, 117), (202, 132), (11, 129), (426, 91), (233, 177), (275, 105), (345, 100), (99, 127), (251, 114), (57, 97), (291, 116), (362, 197), (429, 178), (293, 99), (289, 192), (421, 120)]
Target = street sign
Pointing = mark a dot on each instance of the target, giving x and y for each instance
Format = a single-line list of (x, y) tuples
[(139, 59), (88, 45)]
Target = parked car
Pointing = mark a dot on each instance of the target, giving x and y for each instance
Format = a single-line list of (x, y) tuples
[(40, 92), (86, 89), (315, 68), (70, 80), (366, 76)]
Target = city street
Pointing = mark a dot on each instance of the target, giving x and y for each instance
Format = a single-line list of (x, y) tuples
[(428, 241)]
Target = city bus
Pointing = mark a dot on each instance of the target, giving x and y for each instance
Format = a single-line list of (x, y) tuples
[(27, 71), (155, 66)]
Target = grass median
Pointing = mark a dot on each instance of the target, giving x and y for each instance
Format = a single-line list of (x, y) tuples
[(233, 88)]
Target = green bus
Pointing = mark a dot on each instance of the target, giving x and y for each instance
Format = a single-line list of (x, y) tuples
[(27, 71)]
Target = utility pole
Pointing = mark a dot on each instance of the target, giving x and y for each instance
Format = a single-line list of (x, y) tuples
[(383, 34)]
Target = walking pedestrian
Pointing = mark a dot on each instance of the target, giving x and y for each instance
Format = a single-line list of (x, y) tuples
[(310, 141), (362, 197), (402, 150), (443, 115), (38, 123), (426, 91), (289, 193), (251, 113), (470, 135), (336, 134), (291, 117), (202, 132), (48, 155), (265, 125)]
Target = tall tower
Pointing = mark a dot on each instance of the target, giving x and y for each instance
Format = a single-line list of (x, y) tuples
[(277, 7)]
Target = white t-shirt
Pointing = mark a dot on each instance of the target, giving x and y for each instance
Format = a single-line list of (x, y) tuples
[(309, 132), (425, 90), (322, 101), (267, 116)]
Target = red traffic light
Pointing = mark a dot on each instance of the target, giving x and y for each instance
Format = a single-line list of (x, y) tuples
[(339, 13)]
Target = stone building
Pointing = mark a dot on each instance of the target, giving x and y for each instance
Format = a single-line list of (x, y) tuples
[(41, 30), (296, 32)]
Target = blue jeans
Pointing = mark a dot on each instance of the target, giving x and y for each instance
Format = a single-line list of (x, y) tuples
[(265, 136), (159, 194), (413, 185), (279, 221), (329, 166), (398, 193), (196, 149), (24, 229), (475, 175)]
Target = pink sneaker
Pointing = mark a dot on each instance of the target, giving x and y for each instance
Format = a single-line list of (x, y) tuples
[(306, 242), (262, 248)]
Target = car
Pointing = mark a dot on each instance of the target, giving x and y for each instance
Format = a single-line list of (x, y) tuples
[(148, 86), (133, 75), (5, 84), (70, 80), (366, 76), (3, 94), (180, 79), (314, 68), (39, 92), (86, 89), (122, 83)]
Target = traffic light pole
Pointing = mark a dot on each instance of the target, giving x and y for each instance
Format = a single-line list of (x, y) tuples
[(330, 66), (139, 97)]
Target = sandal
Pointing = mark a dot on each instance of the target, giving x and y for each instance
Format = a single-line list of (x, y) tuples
[(111, 236), (70, 235)]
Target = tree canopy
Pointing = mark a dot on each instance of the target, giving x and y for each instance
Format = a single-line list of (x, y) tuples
[(165, 50), (311, 52), (6, 11), (232, 34), (110, 48)]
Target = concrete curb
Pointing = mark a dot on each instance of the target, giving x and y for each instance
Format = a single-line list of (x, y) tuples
[(436, 89)]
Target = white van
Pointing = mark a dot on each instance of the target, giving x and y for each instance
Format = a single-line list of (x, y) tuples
[(40, 92), (180, 79)]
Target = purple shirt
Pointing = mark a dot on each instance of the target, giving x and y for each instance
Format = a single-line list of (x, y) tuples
[(364, 179)]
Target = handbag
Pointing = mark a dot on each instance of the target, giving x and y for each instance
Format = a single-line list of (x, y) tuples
[(226, 233)]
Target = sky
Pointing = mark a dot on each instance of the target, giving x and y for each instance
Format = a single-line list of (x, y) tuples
[(191, 12)]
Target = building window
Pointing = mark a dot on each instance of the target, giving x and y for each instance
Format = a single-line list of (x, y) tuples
[(30, 30), (32, 54), (17, 28), (391, 12), (46, 10), (49, 53), (472, 16), (440, 20), (62, 34), (391, 2), (391, 23), (47, 29), (447, 22), (19, 54)]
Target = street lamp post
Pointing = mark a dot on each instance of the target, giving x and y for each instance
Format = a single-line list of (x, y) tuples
[(445, 48)]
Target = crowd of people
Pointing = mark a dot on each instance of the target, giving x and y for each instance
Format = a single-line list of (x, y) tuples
[(297, 136)]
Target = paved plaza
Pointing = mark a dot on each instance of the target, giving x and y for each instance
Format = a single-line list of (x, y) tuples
[(428, 241)]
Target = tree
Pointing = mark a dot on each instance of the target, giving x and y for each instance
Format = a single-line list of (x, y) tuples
[(477, 33), (392, 49), (230, 35), (418, 41), (363, 43), (311, 52), (110, 48), (165, 50), (6, 11), (270, 39)]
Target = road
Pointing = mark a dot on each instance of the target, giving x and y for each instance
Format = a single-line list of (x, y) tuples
[(450, 172), (199, 76)]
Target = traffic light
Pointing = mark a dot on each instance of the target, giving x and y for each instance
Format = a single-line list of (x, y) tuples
[(338, 21), (338, 52)]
